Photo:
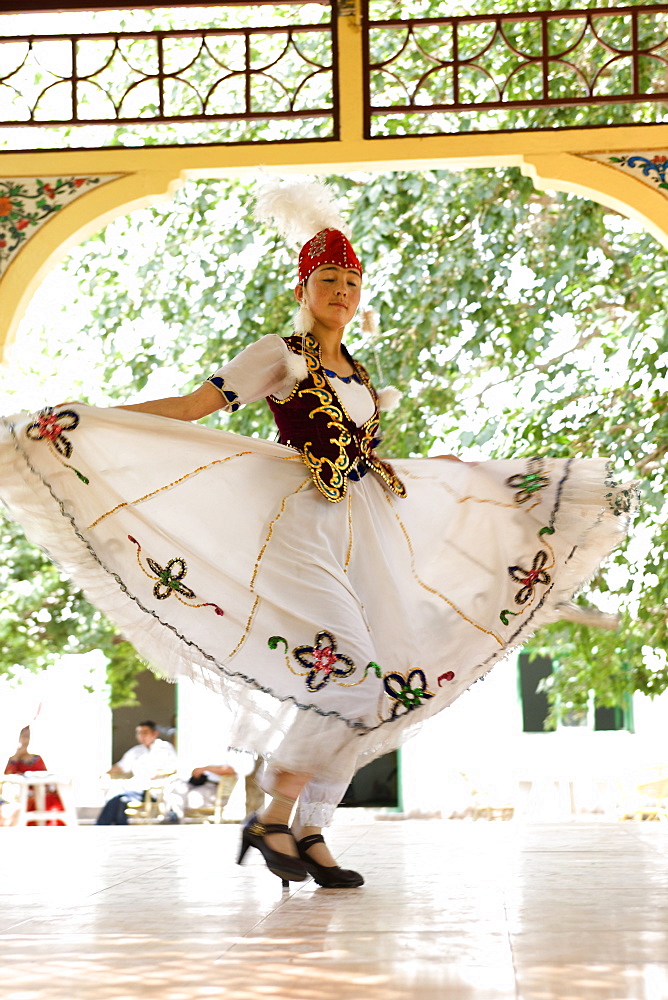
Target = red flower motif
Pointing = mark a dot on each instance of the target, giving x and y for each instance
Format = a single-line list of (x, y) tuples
[(659, 159), (449, 675), (22, 223), (6, 206), (3, 243), (324, 659), (322, 662), (530, 577), (78, 181), (49, 190), (49, 427)]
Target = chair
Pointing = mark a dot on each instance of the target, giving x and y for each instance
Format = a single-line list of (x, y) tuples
[(154, 806), (10, 794), (650, 800), (214, 813), (490, 798), (36, 783)]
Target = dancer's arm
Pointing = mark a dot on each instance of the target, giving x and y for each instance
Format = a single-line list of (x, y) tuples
[(194, 405), (264, 368)]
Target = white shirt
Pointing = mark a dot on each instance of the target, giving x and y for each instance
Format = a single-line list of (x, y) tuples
[(143, 762)]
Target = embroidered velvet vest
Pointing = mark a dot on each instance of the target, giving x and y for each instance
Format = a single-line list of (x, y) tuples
[(313, 420)]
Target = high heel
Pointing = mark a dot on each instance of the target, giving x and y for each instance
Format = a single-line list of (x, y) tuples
[(287, 868), (327, 876)]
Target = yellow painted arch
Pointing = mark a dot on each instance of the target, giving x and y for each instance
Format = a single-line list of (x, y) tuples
[(561, 171), (604, 183), (70, 226), (553, 158)]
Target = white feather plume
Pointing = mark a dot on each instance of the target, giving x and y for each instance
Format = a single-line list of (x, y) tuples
[(297, 368), (370, 321), (389, 398), (299, 209), (302, 321)]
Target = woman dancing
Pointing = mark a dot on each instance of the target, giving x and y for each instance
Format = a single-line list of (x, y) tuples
[(334, 599)]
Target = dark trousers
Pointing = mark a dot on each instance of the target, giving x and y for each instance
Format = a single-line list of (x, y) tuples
[(113, 813)]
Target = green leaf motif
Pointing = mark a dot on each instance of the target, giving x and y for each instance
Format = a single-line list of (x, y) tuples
[(274, 640)]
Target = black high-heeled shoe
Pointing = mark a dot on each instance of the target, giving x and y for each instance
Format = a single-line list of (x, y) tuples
[(327, 876), (287, 868)]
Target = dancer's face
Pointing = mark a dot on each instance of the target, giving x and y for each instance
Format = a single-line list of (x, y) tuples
[(332, 293)]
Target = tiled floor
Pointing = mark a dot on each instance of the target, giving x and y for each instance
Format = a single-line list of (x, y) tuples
[(451, 910)]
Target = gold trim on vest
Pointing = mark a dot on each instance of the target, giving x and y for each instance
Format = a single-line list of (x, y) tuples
[(333, 446)]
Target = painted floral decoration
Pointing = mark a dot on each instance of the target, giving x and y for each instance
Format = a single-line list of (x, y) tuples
[(50, 426), (530, 483), (169, 580), (407, 693), (322, 661), (27, 203), (530, 578), (654, 168)]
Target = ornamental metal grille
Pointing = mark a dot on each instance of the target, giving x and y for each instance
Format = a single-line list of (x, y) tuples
[(270, 75), (544, 69), (270, 83)]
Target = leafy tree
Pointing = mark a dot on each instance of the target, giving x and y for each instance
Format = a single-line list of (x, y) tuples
[(517, 323), (42, 616)]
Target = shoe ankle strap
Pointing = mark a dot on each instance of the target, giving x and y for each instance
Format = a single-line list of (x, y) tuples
[(313, 838), (276, 828)]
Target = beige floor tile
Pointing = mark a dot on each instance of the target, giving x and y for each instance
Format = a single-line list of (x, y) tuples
[(450, 910), (593, 982)]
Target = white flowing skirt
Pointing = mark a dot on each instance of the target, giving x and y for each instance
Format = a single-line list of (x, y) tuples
[(332, 629)]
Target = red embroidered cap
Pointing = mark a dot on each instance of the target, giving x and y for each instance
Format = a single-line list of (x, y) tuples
[(329, 246)]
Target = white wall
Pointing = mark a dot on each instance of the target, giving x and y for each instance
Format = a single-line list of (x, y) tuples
[(546, 774), (476, 733), (66, 707)]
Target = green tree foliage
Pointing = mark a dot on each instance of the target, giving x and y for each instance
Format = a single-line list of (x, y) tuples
[(516, 322), (42, 616)]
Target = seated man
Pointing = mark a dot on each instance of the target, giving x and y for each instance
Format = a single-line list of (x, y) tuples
[(200, 790), (150, 759), (202, 786)]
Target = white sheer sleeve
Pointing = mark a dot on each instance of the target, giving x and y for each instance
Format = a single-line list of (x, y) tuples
[(265, 368)]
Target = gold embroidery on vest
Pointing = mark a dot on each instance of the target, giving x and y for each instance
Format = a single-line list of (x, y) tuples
[(331, 406), (370, 429), (335, 489)]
